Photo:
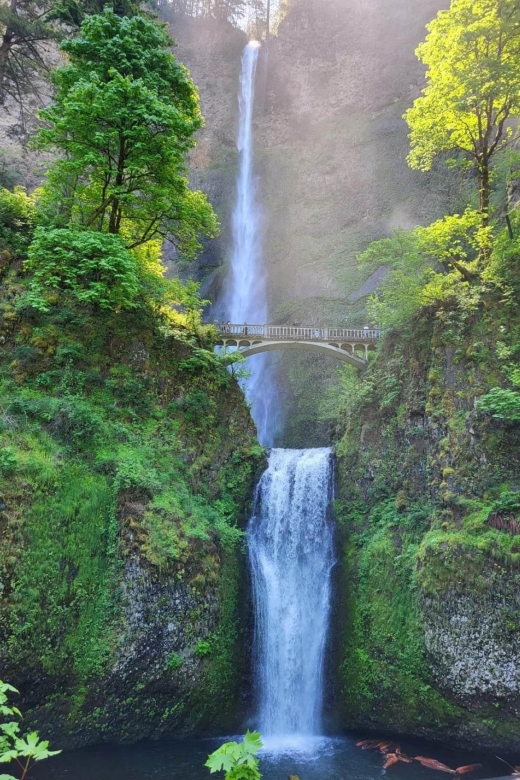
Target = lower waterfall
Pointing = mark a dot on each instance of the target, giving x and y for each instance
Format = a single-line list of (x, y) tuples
[(291, 552)]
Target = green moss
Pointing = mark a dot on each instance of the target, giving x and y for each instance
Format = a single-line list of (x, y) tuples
[(411, 445), (446, 557), (108, 454), (384, 673), (63, 596), (224, 656)]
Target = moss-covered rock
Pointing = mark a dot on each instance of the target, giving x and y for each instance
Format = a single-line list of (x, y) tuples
[(127, 463), (428, 511)]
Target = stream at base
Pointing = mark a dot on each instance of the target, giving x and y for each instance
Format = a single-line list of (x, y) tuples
[(324, 759)]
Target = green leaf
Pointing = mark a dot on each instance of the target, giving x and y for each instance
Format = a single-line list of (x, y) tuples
[(11, 729), (8, 756)]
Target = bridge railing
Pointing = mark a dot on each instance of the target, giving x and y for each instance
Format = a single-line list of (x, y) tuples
[(299, 333)]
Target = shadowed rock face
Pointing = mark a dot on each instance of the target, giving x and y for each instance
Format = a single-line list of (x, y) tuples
[(334, 143)]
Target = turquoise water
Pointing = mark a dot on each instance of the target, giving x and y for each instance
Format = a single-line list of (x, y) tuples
[(324, 759)]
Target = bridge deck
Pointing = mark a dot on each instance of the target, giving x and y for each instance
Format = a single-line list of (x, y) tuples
[(298, 333)]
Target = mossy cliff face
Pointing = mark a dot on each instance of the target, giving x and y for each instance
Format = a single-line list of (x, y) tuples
[(127, 461), (430, 543)]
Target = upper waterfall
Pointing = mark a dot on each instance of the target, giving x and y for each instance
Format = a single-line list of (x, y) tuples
[(244, 296), (246, 282), (291, 553)]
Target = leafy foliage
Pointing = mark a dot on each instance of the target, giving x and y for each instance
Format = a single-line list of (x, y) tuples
[(502, 403), (427, 266), (472, 53), (17, 218), (129, 177), (13, 746), (95, 268), (237, 760), (73, 12)]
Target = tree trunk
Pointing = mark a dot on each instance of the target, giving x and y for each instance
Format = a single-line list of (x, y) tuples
[(115, 213), (5, 49), (484, 189)]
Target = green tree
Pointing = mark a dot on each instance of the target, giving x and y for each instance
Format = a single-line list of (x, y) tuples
[(73, 12), (426, 266), (123, 121), (472, 53)]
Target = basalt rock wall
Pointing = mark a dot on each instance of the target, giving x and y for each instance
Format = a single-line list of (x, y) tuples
[(429, 621)]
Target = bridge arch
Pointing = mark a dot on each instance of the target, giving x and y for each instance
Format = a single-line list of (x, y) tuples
[(332, 350), (348, 345)]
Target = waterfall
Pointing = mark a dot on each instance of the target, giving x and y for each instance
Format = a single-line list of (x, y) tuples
[(291, 554), (247, 280), (245, 298)]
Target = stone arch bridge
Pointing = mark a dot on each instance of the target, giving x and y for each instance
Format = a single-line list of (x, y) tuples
[(349, 345)]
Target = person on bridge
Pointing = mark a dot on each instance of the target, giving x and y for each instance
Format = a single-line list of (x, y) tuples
[(245, 329)]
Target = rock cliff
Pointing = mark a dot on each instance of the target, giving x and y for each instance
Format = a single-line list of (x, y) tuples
[(430, 610), (127, 462)]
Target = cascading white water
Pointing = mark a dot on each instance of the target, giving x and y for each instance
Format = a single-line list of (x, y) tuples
[(246, 285), (291, 553), (245, 298), (290, 536)]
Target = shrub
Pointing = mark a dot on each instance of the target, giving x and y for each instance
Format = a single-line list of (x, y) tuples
[(135, 471), (22, 749), (237, 759), (95, 268), (202, 648), (16, 220), (175, 661), (502, 403), (8, 460)]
